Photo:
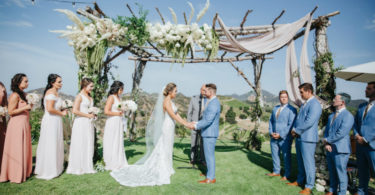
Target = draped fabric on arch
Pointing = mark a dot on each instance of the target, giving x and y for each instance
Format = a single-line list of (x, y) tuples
[(272, 41)]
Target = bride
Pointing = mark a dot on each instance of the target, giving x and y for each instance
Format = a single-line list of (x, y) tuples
[(155, 167)]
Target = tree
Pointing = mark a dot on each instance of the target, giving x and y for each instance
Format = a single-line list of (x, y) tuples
[(230, 116)]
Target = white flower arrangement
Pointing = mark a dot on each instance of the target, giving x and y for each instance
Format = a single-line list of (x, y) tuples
[(128, 105), (66, 104), (94, 110), (3, 112), (32, 98), (83, 36), (179, 39)]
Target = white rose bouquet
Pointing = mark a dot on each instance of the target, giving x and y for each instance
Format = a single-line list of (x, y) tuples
[(94, 110), (128, 105), (3, 112), (66, 104), (32, 98)]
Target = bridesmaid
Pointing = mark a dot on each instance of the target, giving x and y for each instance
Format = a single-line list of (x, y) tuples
[(113, 140), (82, 140), (17, 158), (3, 122), (50, 151)]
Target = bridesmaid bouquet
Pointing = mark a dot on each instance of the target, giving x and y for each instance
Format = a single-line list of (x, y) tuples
[(32, 98), (66, 104), (94, 110), (3, 112), (128, 105)]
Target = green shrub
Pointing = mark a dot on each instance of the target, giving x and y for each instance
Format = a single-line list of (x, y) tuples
[(35, 122), (243, 116), (265, 117), (230, 116)]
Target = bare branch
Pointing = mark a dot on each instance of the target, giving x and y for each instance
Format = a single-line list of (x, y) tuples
[(278, 17), (130, 9), (244, 18), (242, 74), (185, 18)]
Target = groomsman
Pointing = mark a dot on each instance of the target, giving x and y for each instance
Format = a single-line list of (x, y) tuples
[(364, 132), (306, 131), (337, 144), (196, 107), (280, 125)]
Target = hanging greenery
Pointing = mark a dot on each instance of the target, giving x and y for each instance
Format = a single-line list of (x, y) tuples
[(325, 81)]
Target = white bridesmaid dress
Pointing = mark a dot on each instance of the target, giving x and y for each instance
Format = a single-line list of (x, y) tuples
[(50, 151), (82, 142), (113, 140)]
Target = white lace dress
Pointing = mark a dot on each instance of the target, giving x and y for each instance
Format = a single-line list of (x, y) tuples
[(82, 142), (50, 152), (113, 140), (158, 168)]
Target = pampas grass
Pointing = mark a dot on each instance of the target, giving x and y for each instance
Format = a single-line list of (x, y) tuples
[(203, 11)]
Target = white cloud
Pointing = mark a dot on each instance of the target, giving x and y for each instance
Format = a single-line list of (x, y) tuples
[(20, 23), (18, 3), (371, 26)]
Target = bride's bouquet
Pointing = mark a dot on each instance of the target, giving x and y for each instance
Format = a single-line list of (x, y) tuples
[(32, 98), (3, 112), (66, 104)]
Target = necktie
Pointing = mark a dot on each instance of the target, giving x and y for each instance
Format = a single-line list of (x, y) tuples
[(367, 107), (278, 112)]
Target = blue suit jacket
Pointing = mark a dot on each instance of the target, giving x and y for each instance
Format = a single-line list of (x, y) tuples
[(337, 133), (209, 124), (284, 123), (306, 124), (365, 127)]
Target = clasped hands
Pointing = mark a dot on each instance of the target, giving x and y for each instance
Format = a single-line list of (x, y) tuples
[(191, 125), (275, 136)]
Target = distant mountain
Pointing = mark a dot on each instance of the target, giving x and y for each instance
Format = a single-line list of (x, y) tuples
[(356, 103), (268, 97)]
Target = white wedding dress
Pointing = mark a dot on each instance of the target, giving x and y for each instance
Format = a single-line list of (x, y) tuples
[(156, 167)]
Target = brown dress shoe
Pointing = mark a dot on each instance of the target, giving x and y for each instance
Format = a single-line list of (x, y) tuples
[(293, 184), (306, 191), (329, 193), (207, 181), (273, 174), (284, 179)]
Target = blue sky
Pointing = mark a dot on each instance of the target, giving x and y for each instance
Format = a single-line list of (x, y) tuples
[(27, 46)]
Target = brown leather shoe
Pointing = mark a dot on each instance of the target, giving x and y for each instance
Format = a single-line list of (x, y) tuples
[(293, 184), (306, 191), (201, 174), (207, 181), (273, 174), (284, 179), (329, 193)]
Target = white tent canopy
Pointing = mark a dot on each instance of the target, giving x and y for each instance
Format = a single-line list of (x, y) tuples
[(360, 73)]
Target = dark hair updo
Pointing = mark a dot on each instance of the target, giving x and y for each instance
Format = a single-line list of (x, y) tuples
[(50, 81), (169, 88), (115, 87), (16, 81)]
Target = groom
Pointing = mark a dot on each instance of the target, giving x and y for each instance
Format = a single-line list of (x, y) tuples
[(209, 126)]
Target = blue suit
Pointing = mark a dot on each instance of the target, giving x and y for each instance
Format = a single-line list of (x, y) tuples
[(209, 126), (282, 125), (306, 126), (337, 135), (365, 127)]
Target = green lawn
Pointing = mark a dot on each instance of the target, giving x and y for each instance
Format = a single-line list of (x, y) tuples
[(238, 171)]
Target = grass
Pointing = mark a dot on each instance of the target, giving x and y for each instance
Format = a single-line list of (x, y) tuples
[(238, 171)]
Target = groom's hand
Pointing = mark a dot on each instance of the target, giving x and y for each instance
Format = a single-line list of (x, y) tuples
[(191, 125)]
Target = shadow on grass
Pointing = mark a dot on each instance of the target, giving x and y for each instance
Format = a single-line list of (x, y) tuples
[(131, 153), (264, 160)]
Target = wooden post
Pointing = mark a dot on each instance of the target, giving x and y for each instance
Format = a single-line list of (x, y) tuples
[(325, 89)]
